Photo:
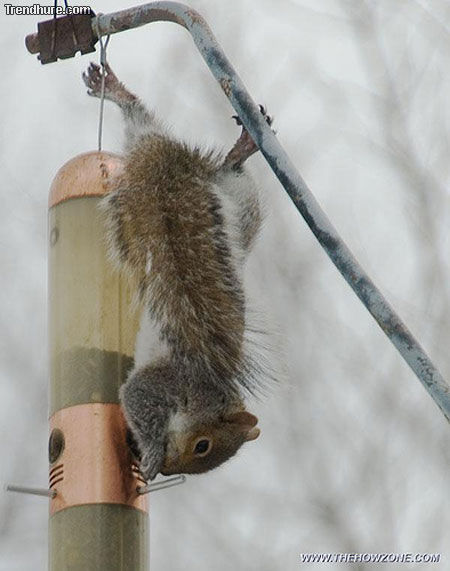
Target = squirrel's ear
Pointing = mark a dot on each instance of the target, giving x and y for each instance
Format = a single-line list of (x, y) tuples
[(242, 417), (245, 423), (252, 434)]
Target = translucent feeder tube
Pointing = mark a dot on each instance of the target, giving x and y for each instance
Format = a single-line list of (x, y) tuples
[(97, 518)]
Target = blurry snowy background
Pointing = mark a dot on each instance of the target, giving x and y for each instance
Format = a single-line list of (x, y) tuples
[(354, 455)]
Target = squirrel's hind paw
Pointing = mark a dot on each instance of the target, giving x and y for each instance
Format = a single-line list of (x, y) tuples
[(263, 110), (92, 78), (267, 117)]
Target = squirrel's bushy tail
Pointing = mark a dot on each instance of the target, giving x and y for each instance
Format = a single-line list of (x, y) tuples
[(166, 226)]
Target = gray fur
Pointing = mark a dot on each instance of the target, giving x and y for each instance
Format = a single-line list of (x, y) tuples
[(182, 222)]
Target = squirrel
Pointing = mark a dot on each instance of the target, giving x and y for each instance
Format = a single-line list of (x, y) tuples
[(182, 221)]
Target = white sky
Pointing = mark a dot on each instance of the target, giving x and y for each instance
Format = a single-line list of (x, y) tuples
[(354, 453)]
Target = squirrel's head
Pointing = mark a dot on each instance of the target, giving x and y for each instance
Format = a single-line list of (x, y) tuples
[(169, 442), (200, 447)]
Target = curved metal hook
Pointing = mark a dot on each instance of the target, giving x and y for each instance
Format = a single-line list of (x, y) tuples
[(287, 174)]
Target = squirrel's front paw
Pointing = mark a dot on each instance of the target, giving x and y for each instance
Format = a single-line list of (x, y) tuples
[(92, 78)]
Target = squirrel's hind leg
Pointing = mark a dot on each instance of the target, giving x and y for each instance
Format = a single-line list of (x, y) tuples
[(244, 147), (114, 89), (138, 119)]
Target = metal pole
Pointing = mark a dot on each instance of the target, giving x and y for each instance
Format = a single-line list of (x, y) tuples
[(98, 520), (293, 183), (295, 186)]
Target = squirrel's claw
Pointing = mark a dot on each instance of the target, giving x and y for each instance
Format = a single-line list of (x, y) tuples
[(263, 110), (237, 119), (92, 79), (267, 117)]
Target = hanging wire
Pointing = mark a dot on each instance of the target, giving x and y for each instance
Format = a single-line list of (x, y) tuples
[(55, 24), (74, 28), (103, 46)]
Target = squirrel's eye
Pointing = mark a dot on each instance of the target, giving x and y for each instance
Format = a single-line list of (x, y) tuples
[(202, 447)]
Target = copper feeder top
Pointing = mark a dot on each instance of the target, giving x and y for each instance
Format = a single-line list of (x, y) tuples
[(88, 174)]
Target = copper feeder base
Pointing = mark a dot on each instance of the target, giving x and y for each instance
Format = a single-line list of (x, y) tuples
[(94, 464)]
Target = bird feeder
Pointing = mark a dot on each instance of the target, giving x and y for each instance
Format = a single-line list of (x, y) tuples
[(92, 329)]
